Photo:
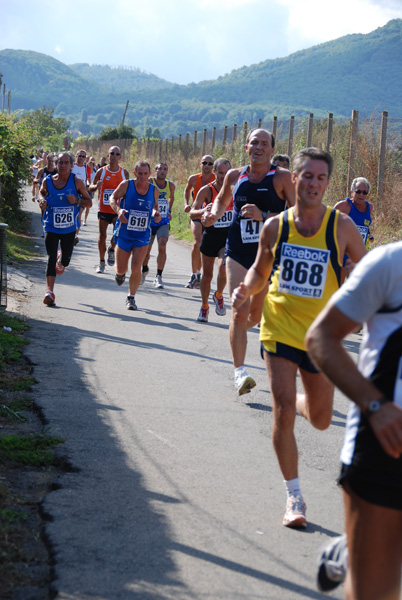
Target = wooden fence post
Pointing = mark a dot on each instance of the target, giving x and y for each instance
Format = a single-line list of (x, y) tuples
[(204, 141), (243, 142), (259, 124), (213, 139), (354, 128), (310, 125), (290, 139), (186, 146), (172, 145), (195, 144), (179, 141), (234, 135), (329, 131), (274, 126), (381, 163), (225, 135)]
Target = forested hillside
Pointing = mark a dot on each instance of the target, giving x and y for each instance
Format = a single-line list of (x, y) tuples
[(355, 72)]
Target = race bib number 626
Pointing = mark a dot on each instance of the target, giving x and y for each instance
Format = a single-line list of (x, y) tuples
[(303, 270)]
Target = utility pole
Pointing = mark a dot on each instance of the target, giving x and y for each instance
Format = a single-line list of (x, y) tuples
[(125, 112)]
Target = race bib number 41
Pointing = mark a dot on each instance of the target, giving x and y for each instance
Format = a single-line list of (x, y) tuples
[(303, 270), (63, 217), (137, 220), (250, 230)]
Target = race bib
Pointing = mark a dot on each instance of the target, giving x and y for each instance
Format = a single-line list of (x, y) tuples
[(250, 230), (163, 207), (63, 217), (106, 197), (303, 270), (363, 232), (137, 220), (225, 220)]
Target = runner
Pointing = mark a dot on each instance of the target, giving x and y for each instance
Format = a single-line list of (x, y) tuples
[(82, 171), (194, 184), (106, 180), (371, 472), (303, 247), (213, 241), (92, 171), (160, 230), (134, 202), (259, 190), (63, 194), (49, 169)]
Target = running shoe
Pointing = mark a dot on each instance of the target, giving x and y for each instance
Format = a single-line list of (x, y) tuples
[(203, 316), (332, 564), (59, 267), (101, 267), (110, 256), (130, 303), (220, 307), (295, 515), (192, 283), (84, 223), (243, 382), (76, 240), (143, 276), (198, 279), (120, 279), (158, 283), (49, 299)]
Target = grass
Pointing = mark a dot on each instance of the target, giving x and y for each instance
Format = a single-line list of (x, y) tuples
[(11, 342), (20, 247), (34, 450)]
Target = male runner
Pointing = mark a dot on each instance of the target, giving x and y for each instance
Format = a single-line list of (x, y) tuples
[(259, 190), (160, 230), (359, 210), (213, 241), (195, 183), (134, 202), (303, 247), (371, 473), (48, 169), (106, 180), (82, 171)]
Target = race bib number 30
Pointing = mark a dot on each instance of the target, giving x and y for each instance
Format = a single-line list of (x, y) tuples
[(250, 230), (137, 220), (63, 217), (303, 271)]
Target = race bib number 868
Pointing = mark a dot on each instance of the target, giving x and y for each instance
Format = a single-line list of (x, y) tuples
[(303, 270)]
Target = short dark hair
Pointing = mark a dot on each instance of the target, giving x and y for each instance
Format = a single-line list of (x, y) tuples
[(141, 163), (282, 158), (314, 154)]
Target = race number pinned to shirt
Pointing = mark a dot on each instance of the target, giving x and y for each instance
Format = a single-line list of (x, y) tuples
[(250, 230), (137, 220), (106, 197), (303, 270), (225, 220), (63, 217), (363, 232), (163, 206)]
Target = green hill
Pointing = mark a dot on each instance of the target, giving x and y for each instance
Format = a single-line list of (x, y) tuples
[(361, 72)]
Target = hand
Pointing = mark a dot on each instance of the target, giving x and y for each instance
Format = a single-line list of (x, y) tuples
[(42, 203), (239, 295), (187, 208), (251, 211), (387, 427), (157, 216), (349, 266), (72, 199), (121, 215), (208, 219)]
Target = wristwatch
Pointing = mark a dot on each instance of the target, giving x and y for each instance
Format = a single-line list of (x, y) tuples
[(374, 406), (264, 215)]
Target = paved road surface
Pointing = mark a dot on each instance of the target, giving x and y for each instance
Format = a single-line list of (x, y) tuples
[(175, 492)]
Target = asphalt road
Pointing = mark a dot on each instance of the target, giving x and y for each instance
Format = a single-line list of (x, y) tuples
[(175, 490)]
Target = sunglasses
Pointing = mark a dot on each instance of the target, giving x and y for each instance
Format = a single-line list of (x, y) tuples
[(81, 155), (114, 153), (364, 192), (205, 162)]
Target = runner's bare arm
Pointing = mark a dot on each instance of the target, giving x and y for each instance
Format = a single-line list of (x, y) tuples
[(223, 198)]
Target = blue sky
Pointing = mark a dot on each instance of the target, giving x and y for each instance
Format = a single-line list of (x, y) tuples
[(184, 41)]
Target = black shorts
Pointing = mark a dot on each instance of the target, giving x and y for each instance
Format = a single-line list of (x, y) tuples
[(213, 240), (300, 357), (109, 217)]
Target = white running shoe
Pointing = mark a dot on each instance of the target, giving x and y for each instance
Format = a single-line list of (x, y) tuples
[(243, 382), (158, 283), (332, 564), (220, 307), (203, 316), (101, 267), (130, 303), (295, 515)]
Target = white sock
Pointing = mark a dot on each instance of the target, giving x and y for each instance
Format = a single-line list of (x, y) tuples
[(293, 487)]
